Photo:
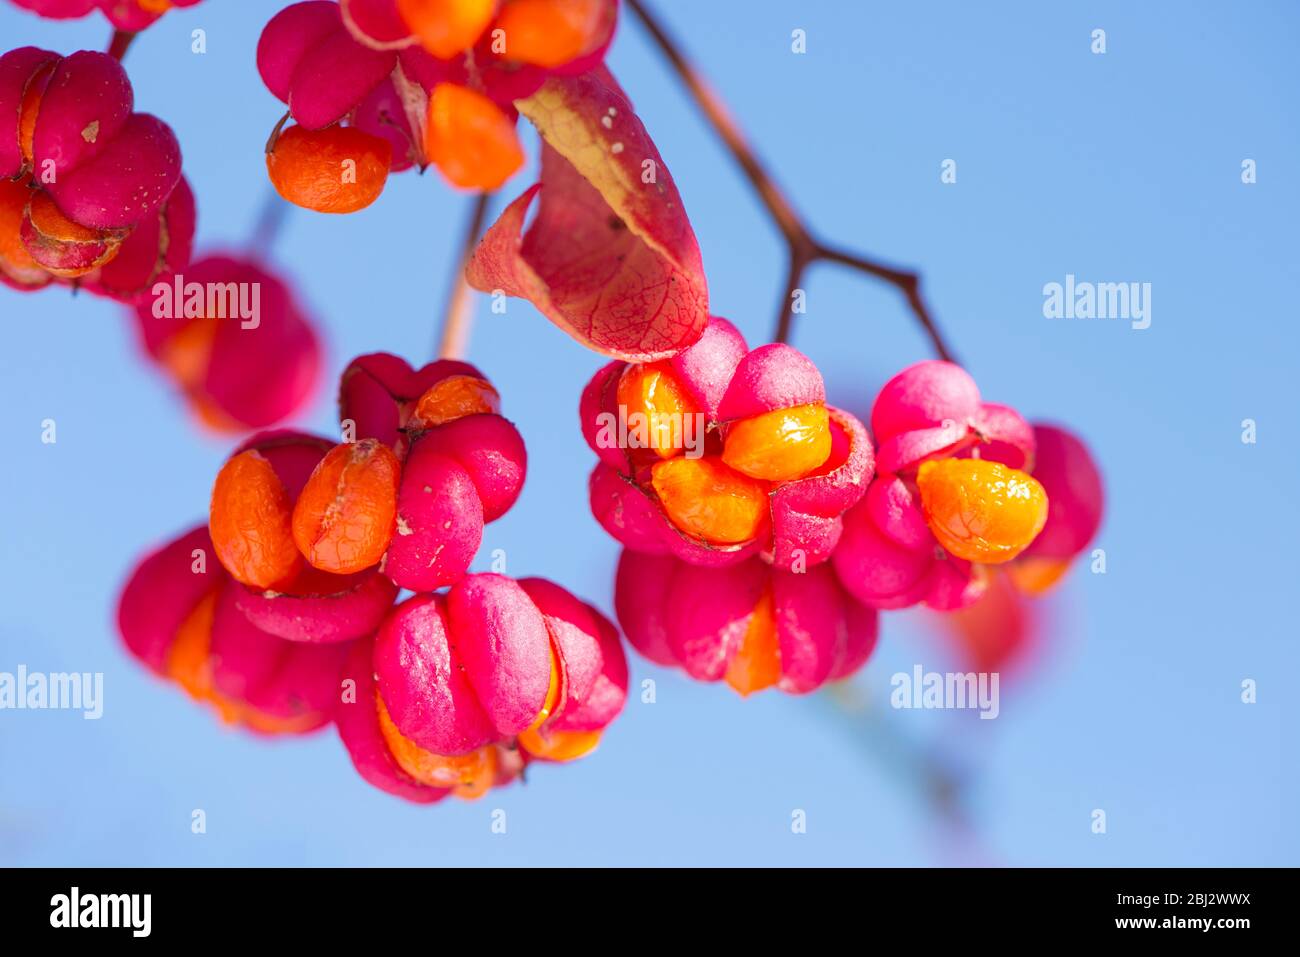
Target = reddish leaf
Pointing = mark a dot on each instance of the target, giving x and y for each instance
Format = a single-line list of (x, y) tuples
[(610, 258)]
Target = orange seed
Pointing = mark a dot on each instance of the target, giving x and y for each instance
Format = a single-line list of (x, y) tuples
[(346, 513), (781, 445), (250, 520), (979, 510), (708, 499)]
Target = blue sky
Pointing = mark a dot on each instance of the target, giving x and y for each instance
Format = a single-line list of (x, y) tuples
[(1116, 167)]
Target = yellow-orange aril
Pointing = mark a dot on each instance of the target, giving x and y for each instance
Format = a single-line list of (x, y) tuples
[(454, 398), (63, 246), (187, 660), (559, 745), (15, 260), (549, 33), (187, 352), (781, 445), (657, 408), (435, 770), (552, 693), (250, 521), (335, 170), (757, 663), (189, 664), (346, 513), (30, 109), (471, 139), (706, 498), (979, 510), (1037, 576), (447, 27)]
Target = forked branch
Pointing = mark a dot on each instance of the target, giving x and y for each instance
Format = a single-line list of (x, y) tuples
[(803, 246)]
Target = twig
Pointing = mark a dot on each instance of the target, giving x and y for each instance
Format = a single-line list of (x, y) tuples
[(120, 43), (270, 219), (457, 317), (804, 248)]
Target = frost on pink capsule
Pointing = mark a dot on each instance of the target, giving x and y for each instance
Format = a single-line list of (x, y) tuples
[(773, 376), (704, 369), (807, 513), (933, 409), (730, 387), (888, 556), (713, 623), (900, 567), (708, 366), (243, 362), (611, 262)]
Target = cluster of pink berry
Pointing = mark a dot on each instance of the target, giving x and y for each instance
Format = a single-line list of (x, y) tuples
[(81, 172), (92, 196), (726, 476), (762, 528), (446, 693), (389, 84)]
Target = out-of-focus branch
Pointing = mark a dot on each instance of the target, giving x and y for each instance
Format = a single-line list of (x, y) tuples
[(457, 316), (270, 220), (942, 784), (804, 248)]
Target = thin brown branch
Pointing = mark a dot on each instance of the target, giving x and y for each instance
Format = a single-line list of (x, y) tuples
[(908, 282), (800, 259), (803, 248), (457, 316)]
